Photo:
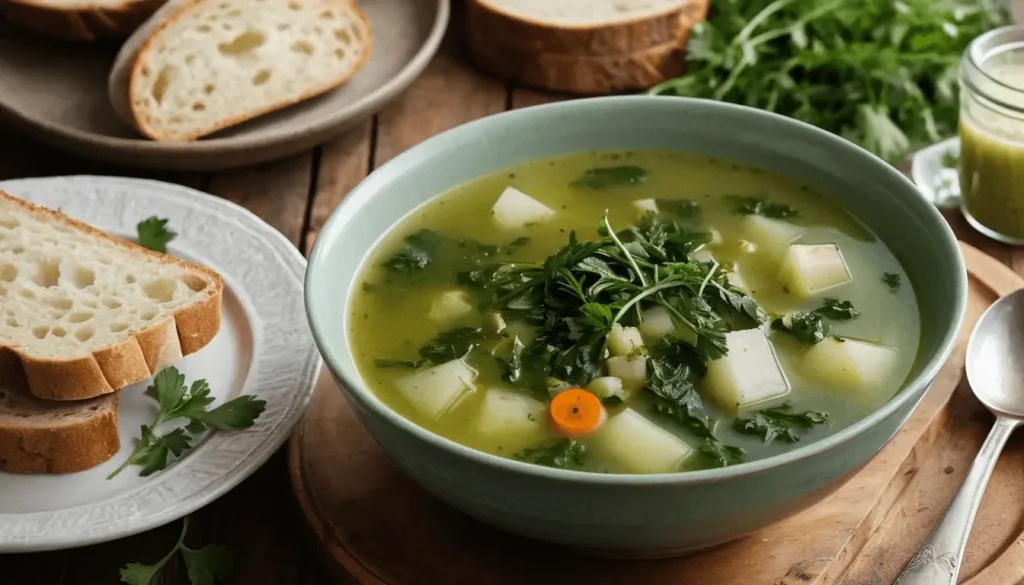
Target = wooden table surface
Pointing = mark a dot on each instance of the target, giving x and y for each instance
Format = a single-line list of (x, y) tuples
[(259, 520)]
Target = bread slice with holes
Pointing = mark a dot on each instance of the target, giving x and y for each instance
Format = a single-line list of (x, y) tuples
[(213, 64), (45, 436), (79, 20), (87, 314)]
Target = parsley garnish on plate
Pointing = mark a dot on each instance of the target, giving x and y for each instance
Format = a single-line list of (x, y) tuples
[(154, 234), (780, 422), (204, 566), (177, 401)]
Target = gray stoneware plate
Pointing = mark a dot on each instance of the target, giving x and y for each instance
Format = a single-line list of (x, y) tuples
[(57, 93), (264, 348)]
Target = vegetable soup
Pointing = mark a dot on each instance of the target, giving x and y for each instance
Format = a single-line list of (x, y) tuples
[(633, 312)]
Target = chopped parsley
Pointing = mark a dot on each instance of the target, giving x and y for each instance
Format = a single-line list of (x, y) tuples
[(599, 178)]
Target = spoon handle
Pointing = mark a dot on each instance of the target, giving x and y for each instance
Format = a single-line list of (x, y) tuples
[(938, 560)]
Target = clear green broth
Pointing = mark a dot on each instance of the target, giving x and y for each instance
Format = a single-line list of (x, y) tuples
[(389, 311)]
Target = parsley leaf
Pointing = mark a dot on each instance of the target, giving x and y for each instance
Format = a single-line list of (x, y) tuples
[(417, 253), (722, 455), (155, 452), (893, 281), (607, 177), (204, 566), (780, 422), (837, 310), (810, 327), (452, 344), (411, 364), (762, 206), (562, 454), (154, 234)]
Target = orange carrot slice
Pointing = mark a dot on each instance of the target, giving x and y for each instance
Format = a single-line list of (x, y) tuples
[(576, 412)]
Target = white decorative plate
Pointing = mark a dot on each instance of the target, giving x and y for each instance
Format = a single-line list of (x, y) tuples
[(264, 348), (934, 171)]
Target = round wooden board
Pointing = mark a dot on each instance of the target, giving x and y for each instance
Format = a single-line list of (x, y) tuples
[(377, 527)]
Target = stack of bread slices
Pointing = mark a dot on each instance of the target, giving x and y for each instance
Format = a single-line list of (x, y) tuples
[(583, 46), (82, 316)]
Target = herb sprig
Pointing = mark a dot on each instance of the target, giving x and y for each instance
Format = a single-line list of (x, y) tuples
[(562, 454), (780, 422), (177, 401), (810, 327), (203, 566), (154, 234)]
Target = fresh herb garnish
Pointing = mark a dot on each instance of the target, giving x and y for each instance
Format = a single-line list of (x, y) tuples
[(722, 455), (417, 253), (203, 566), (153, 452), (562, 454), (607, 177), (780, 422), (810, 327), (762, 206), (452, 344), (154, 234), (680, 208), (407, 364), (893, 281), (950, 160), (880, 73)]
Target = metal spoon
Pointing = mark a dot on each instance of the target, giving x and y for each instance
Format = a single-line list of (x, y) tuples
[(995, 370)]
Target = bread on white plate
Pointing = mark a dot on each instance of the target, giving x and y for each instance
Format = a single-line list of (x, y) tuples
[(46, 436), (87, 314), (79, 20), (581, 74), (200, 66), (583, 27)]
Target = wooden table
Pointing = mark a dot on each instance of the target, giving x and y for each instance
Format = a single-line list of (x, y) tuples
[(259, 520)]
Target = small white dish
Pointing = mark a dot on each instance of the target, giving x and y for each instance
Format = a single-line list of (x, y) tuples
[(935, 176), (264, 348)]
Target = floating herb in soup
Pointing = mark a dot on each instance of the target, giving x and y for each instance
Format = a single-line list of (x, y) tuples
[(633, 312)]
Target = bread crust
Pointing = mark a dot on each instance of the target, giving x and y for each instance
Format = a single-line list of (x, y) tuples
[(639, 34), (82, 24), (143, 123), (582, 75), (137, 358)]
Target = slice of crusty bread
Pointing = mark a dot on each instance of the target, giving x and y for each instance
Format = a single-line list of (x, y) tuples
[(79, 20), (583, 27), (88, 314), (213, 64), (44, 436), (582, 75)]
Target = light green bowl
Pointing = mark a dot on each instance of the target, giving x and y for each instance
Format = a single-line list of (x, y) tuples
[(636, 515)]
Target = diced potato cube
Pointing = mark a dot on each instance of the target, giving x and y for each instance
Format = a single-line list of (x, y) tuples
[(658, 323), (631, 370), (525, 333), (639, 446), (435, 390), (771, 235), (506, 412), (607, 387), (848, 364), (748, 375), (808, 270), (450, 306), (644, 207), (624, 340), (515, 210)]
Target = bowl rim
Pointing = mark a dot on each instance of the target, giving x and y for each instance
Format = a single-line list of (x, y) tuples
[(911, 391)]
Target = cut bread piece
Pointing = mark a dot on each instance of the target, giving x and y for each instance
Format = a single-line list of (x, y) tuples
[(87, 314), (584, 27), (43, 436), (80, 20), (580, 74), (211, 65)]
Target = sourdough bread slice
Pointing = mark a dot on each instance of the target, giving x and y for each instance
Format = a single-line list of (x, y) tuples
[(583, 27), (581, 75), (43, 436), (210, 64), (80, 20), (87, 314)]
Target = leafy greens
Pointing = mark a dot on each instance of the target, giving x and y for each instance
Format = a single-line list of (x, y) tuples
[(780, 422)]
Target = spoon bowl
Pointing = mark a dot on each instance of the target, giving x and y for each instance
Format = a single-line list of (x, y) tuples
[(995, 368)]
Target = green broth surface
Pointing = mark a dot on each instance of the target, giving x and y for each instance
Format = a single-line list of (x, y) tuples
[(388, 312)]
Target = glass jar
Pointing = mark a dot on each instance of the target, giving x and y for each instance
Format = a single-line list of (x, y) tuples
[(992, 134)]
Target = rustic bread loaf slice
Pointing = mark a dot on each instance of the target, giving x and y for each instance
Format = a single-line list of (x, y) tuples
[(581, 74), (211, 64), (87, 314), (583, 27), (79, 20), (44, 436)]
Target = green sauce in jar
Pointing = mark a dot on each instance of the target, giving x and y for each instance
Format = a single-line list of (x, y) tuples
[(992, 134)]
